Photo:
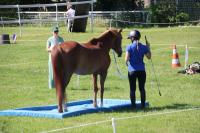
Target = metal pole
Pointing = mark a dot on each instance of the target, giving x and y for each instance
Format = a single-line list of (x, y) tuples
[(40, 19), (110, 23), (155, 2), (176, 7), (19, 21), (56, 14), (116, 18), (177, 2), (92, 16), (2, 22)]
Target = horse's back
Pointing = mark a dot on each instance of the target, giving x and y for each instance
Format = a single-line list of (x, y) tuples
[(82, 58), (69, 46)]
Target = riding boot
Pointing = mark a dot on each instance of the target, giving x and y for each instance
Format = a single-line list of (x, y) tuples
[(143, 98), (132, 98)]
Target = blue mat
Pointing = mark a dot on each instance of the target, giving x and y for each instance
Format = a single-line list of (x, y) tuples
[(74, 109)]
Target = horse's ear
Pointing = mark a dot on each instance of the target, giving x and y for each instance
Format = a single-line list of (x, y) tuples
[(120, 30)]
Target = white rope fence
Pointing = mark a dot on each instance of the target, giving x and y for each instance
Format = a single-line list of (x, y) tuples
[(121, 118), (23, 63), (147, 23)]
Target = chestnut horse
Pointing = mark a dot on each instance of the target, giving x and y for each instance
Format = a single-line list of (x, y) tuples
[(88, 58)]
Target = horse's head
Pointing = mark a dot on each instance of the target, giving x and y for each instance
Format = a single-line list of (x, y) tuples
[(117, 42)]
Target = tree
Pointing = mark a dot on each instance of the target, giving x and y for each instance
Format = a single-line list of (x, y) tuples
[(118, 5), (163, 12), (23, 2)]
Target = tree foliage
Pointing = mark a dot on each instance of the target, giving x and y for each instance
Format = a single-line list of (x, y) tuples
[(166, 12), (23, 2), (119, 5), (163, 12)]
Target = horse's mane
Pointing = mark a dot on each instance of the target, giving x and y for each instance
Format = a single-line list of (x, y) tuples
[(95, 41)]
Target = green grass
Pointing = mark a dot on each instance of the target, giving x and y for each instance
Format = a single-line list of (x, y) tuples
[(24, 76)]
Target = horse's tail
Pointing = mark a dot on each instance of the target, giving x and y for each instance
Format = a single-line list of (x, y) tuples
[(57, 64)]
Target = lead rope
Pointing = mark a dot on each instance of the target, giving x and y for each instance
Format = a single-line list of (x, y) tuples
[(117, 67)]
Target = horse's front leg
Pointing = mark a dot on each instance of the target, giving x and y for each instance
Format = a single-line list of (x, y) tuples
[(95, 89), (102, 81)]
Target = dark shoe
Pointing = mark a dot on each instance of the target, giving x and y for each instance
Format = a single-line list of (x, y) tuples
[(142, 107), (133, 106)]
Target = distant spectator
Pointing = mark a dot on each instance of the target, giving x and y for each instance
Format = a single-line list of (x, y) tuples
[(70, 17), (51, 42)]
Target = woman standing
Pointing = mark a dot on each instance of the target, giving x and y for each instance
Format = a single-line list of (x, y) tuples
[(51, 42), (136, 68)]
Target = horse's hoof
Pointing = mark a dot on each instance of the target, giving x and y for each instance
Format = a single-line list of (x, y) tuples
[(95, 105), (65, 110), (60, 111), (100, 104)]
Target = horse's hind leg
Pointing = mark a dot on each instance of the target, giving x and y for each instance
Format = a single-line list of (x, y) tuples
[(63, 102), (95, 89), (102, 81), (61, 83), (62, 79), (66, 80), (60, 96)]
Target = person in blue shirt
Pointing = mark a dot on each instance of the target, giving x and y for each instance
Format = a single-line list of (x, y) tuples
[(51, 42), (135, 53)]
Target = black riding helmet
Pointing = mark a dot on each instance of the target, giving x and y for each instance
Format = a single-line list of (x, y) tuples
[(135, 34)]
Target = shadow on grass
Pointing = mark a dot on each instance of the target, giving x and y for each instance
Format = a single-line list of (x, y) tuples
[(79, 88), (90, 88), (175, 106)]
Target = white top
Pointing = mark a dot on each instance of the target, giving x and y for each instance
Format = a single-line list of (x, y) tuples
[(70, 13)]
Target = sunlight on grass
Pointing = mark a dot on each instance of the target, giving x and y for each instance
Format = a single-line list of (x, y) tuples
[(24, 76)]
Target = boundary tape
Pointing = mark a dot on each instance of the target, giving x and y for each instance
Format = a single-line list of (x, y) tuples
[(122, 118)]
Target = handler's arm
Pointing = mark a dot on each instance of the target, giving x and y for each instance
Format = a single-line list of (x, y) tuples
[(127, 57), (148, 55), (48, 47)]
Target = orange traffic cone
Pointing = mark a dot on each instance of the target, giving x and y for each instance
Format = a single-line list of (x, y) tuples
[(175, 59)]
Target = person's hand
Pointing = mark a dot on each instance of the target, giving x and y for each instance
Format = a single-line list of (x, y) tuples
[(147, 42), (126, 63), (51, 48)]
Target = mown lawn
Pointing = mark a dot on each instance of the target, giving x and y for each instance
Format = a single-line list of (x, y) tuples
[(24, 76)]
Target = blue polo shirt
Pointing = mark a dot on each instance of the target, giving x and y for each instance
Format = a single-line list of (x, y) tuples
[(136, 62)]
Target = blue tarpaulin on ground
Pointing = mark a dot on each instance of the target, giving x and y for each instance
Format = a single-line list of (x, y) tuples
[(74, 108)]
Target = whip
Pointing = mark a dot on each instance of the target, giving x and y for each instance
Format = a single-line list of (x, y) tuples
[(158, 84), (117, 67)]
